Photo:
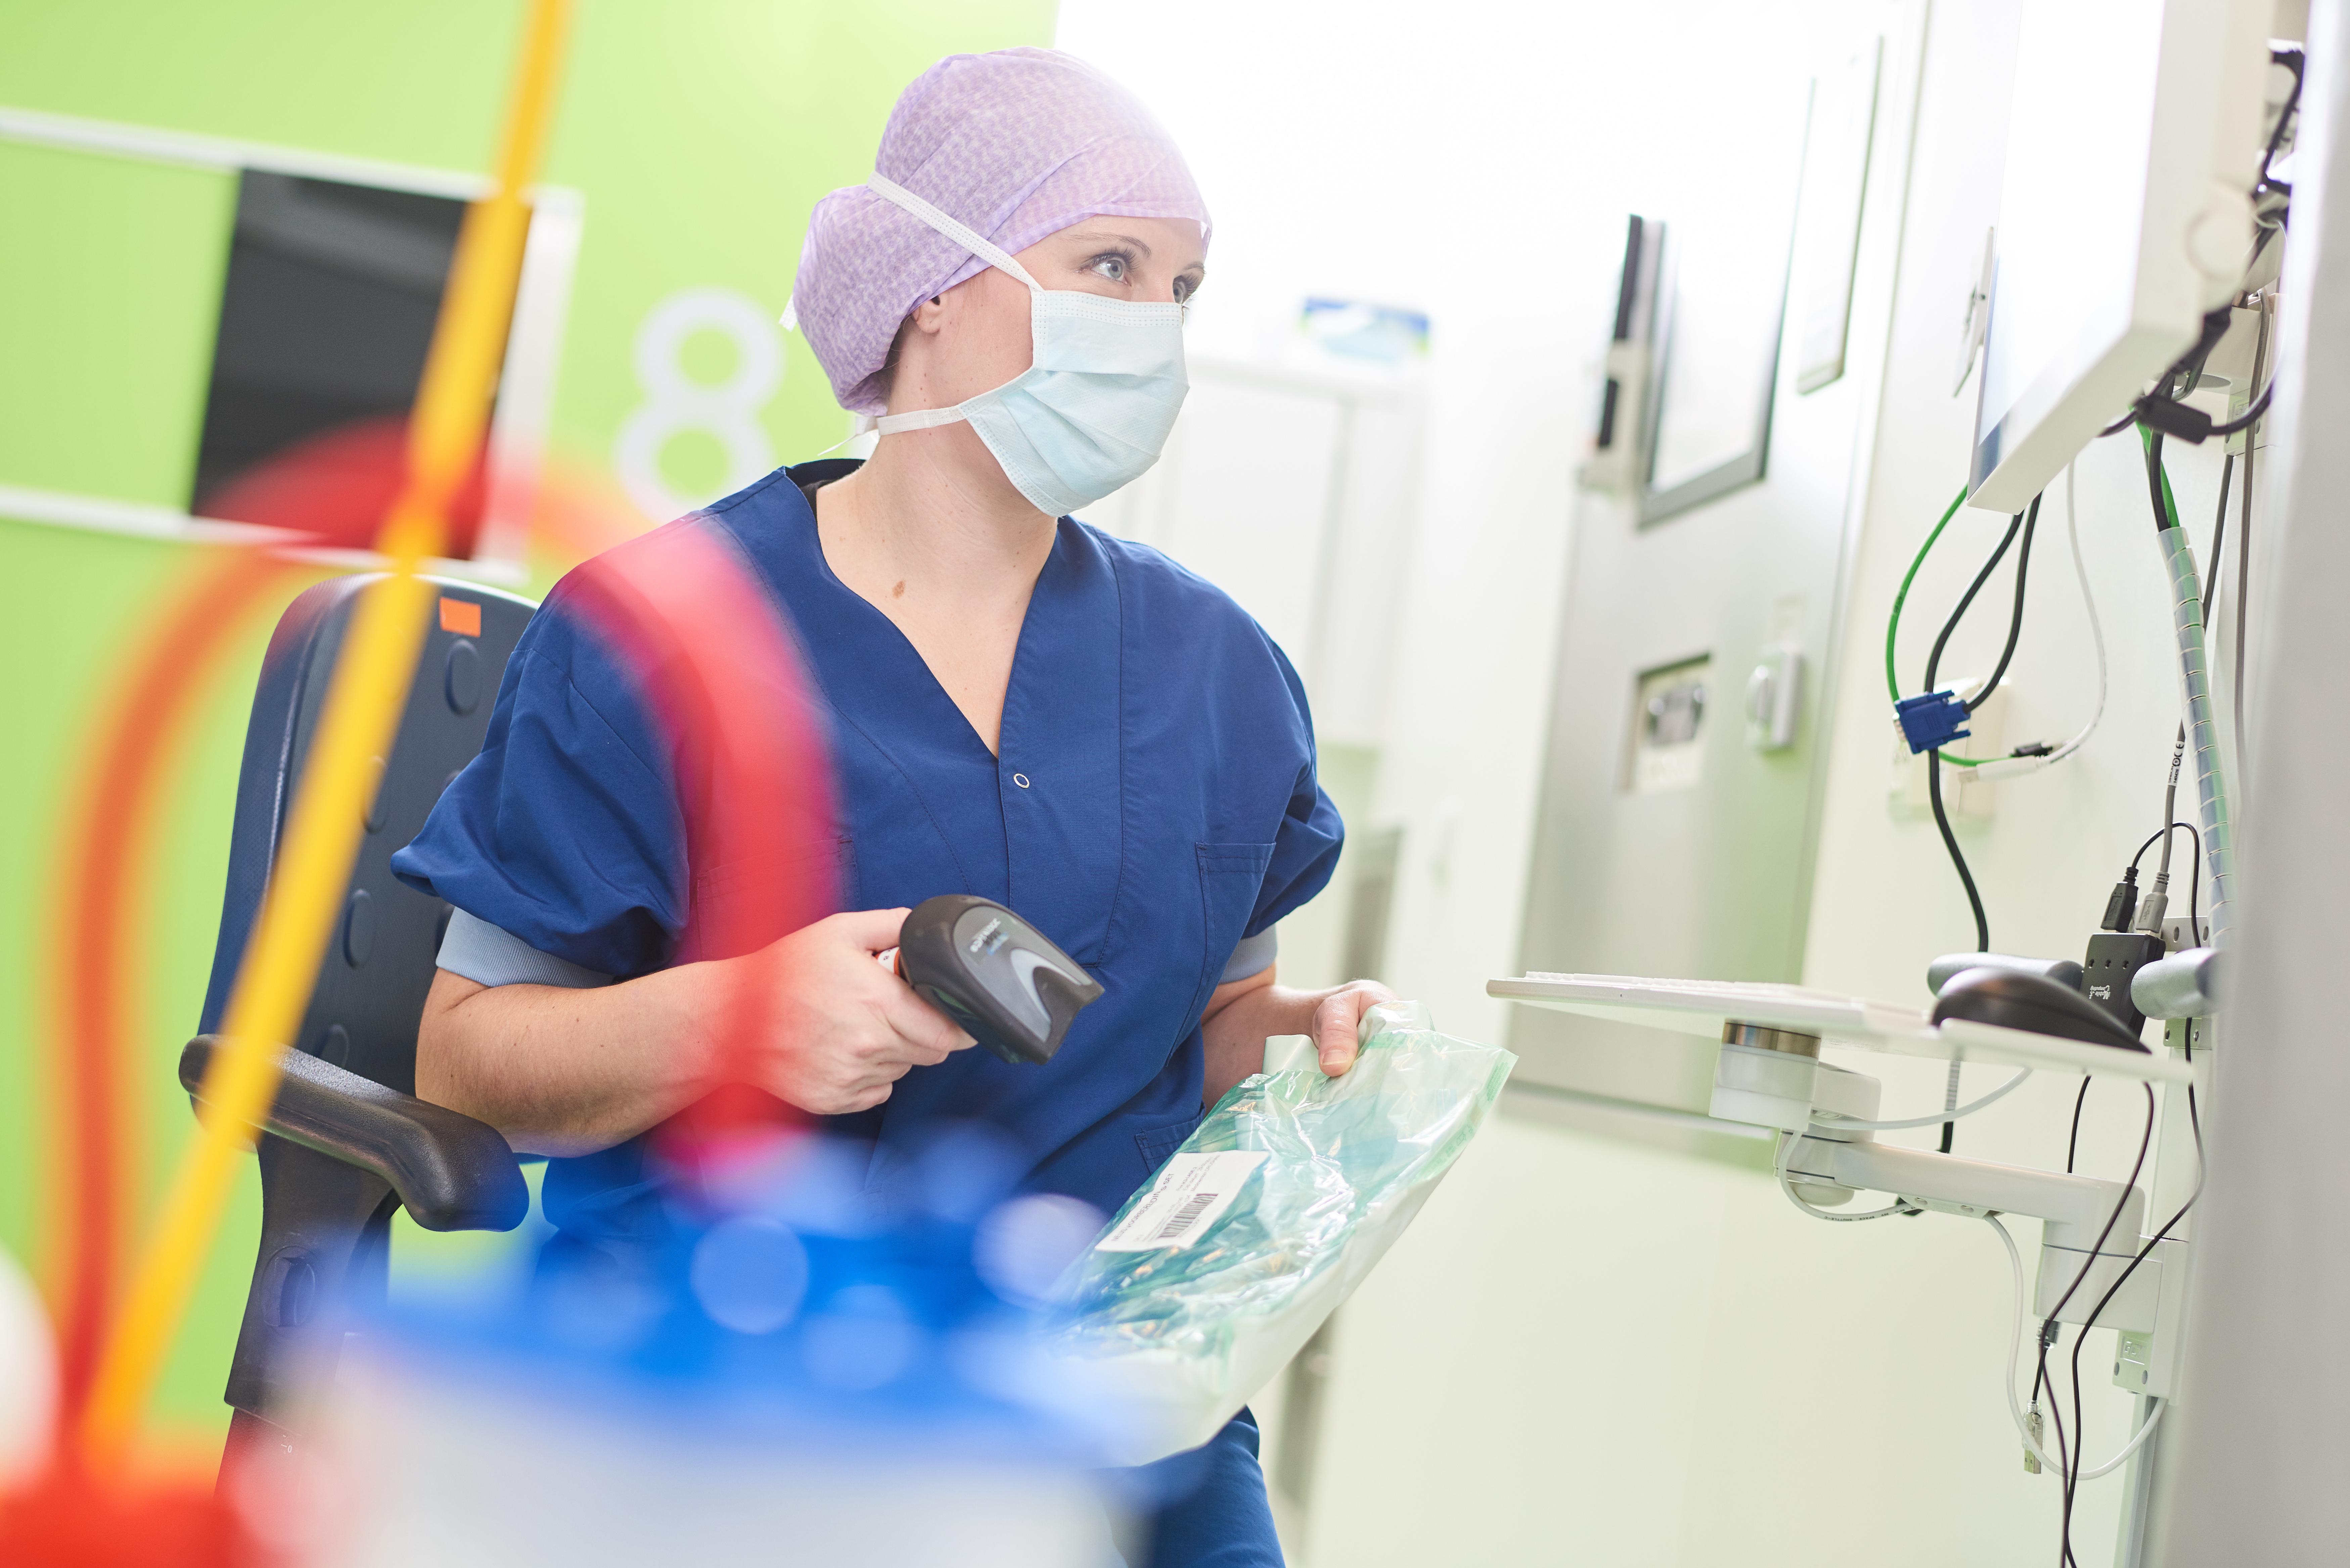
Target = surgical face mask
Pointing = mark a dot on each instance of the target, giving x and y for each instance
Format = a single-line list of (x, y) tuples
[(1092, 411)]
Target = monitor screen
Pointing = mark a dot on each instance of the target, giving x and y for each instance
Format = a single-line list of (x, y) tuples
[(2120, 221)]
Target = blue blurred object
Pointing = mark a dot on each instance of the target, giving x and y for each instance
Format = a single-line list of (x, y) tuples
[(781, 1290), (793, 1353), (1357, 329)]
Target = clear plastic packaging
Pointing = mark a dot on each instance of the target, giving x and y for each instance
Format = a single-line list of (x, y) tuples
[(1206, 1281)]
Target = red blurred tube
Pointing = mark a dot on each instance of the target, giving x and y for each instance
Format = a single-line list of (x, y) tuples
[(682, 610), (718, 672), (337, 485), (110, 841)]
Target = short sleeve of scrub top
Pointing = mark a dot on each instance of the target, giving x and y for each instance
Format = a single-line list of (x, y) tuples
[(1153, 808)]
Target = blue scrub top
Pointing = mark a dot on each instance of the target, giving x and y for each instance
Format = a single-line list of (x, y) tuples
[(1153, 804)]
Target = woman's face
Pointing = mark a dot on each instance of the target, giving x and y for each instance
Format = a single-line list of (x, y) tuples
[(975, 336)]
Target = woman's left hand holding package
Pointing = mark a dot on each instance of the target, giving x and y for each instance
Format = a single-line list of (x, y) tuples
[(1244, 1013)]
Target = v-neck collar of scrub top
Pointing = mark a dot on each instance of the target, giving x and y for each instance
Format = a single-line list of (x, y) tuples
[(1037, 825)]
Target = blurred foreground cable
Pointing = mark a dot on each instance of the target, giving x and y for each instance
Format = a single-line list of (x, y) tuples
[(361, 715), (108, 842)]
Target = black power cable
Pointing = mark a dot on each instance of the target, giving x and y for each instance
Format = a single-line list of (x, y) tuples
[(2048, 1335), (2248, 419), (1934, 754), (1958, 858), (2192, 888), (2164, 408), (2072, 1464), (1965, 603), (2296, 61), (2195, 1122), (2069, 1463), (2244, 547), (2023, 524), (2015, 618), (2219, 537)]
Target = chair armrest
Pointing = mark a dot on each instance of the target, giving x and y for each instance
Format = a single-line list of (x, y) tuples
[(451, 1172)]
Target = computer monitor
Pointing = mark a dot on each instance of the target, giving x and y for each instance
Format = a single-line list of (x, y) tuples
[(2133, 143)]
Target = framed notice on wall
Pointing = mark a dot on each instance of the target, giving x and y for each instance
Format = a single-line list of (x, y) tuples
[(1722, 297), (1827, 222), (1783, 235)]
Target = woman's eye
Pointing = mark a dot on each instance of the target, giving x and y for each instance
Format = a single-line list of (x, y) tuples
[(1183, 290), (1112, 267)]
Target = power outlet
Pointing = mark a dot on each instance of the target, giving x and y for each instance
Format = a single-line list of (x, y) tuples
[(2176, 935)]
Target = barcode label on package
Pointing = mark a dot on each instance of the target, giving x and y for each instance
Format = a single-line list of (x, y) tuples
[(1191, 1194)]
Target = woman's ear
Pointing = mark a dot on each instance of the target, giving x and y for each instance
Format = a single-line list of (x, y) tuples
[(930, 316)]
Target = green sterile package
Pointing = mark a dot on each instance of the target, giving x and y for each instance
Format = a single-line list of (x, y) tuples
[(1209, 1279)]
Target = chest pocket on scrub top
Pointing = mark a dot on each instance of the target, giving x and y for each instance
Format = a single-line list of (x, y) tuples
[(1230, 875)]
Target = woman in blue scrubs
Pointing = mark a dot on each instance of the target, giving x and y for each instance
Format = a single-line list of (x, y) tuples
[(1020, 706)]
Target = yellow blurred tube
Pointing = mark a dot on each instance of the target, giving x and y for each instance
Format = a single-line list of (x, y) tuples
[(453, 399), (360, 718)]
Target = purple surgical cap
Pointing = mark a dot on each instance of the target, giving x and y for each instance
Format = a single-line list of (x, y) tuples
[(1018, 144)]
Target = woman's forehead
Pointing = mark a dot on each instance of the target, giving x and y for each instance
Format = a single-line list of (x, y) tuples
[(1172, 239)]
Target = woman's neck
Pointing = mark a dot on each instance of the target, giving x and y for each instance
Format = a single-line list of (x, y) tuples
[(934, 507), (930, 533)]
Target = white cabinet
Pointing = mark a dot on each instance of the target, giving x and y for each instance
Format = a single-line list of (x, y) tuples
[(1294, 492)]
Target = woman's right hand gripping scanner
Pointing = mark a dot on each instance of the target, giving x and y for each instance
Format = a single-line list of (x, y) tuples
[(846, 1028), (562, 1071)]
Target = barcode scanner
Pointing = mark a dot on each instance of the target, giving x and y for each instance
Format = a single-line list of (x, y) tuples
[(997, 976)]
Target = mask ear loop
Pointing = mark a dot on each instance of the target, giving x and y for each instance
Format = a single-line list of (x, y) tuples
[(969, 239), (961, 234)]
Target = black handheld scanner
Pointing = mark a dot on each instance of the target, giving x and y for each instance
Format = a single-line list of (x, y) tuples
[(997, 976)]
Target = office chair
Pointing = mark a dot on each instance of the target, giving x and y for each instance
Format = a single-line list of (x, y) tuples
[(346, 1141)]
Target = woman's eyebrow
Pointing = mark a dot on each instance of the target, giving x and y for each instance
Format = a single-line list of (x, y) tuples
[(1098, 236)]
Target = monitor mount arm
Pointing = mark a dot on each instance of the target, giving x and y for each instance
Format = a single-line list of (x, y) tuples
[(1774, 1078)]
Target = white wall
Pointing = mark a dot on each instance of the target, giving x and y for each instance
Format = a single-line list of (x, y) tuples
[(1607, 1341), (1478, 164)]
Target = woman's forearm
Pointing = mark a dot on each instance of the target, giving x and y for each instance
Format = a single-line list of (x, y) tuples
[(565, 1072), (560, 1070), (1240, 1014)]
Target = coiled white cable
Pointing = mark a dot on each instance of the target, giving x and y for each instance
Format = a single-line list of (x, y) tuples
[(1787, 1186), (2015, 1408), (1832, 1120)]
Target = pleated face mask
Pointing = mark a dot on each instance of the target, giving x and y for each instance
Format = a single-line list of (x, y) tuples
[(1092, 411)]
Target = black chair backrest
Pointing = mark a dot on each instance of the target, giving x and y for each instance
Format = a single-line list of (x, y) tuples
[(371, 986), (325, 1223)]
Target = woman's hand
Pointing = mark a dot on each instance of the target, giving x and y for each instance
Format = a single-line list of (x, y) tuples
[(843, 1028), (1337, 1019), (1242, 1012)]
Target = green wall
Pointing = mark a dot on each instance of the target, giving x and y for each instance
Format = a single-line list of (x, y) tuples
[(701, 132)]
